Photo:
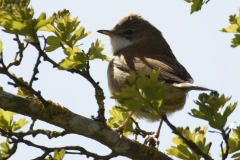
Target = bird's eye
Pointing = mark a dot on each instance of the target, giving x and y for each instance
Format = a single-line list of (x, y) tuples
[(128, 32)]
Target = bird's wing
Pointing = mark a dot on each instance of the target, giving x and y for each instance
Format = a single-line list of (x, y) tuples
[(159, 57)]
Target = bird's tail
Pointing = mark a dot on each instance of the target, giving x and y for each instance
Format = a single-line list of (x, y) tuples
[(192, 87)]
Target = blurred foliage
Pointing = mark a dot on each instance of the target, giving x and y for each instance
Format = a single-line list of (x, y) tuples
[(234, 143), (196, 5), (0, 47), (17, 18), (234, 28), (7, 123), (141, 92), (182, 151), (57, 155), (4, 149)]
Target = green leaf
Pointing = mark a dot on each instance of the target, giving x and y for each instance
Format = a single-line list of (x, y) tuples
[(78, 35), (48, 28), (5, 148), (59, 155), (0, 47), (235, 41), (96, 51), (210, 109), (64, 27), (196, 5), (144, 93), (234, 142), (17, 18), (232, 19), (118, 116), (236, 156), (6, 118), (234, 28), (236, 133), (229, 109), (76, 59), (41, 21), (182, 151), (19, 124), (141, 93), (53, 42)]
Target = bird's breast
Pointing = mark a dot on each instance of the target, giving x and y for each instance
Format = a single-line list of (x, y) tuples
[(116, 77)]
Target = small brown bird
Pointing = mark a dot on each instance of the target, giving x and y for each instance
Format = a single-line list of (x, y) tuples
[(136, 44)]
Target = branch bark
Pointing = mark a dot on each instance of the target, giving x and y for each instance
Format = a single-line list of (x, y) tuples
[(73, 123)]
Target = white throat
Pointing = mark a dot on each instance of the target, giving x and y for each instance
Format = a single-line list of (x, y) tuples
[(119, 43)]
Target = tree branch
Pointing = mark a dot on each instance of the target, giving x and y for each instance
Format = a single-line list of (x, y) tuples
[(21, 48), (73, 123)]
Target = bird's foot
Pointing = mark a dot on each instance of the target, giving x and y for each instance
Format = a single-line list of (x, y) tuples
[(119, 130), (152, 140)]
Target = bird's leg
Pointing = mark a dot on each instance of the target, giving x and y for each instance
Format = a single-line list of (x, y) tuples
[(120, 128), (153, 139)]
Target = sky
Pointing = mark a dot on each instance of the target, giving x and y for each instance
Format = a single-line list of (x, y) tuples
[(195, 39)]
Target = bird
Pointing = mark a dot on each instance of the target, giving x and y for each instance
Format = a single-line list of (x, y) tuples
[(136, 43)]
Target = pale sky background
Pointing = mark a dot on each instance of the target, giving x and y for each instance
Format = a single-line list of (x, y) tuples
[(195, 40)]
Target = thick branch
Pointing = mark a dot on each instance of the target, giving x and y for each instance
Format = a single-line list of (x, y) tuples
[(80, 125)]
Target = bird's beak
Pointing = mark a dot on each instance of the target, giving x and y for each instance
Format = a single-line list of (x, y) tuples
[(106, 32)]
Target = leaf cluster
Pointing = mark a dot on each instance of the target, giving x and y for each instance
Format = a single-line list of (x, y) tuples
[(17, 18), (8, 124), (141, 93), (234, 28), (234, 143), (65, 29), (212, 109), (68, 33), (118, 117), (182, 150)]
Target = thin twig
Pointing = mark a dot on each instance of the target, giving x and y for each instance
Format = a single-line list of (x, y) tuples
[(35, 71), (138, 131), (18, 82), (207, 1), (32, 124), (189, 143), (209, 147), (225, 138), (19, 54), (81, 150)]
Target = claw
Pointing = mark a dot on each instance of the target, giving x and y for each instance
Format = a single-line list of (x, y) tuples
[(119, 130), (152, 140)]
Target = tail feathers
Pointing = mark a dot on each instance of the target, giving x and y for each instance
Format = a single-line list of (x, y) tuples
[(192, 87)]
